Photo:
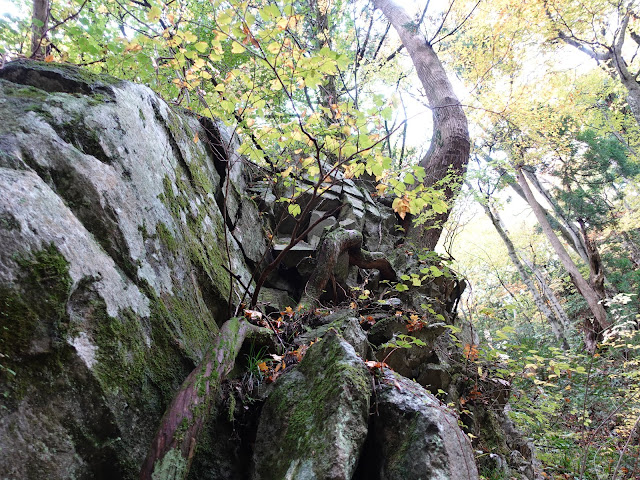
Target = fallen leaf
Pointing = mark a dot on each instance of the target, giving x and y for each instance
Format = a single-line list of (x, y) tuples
[(253, 314)]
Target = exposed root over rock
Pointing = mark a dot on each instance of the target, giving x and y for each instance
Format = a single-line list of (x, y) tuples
[(174, 445), (333, 245)]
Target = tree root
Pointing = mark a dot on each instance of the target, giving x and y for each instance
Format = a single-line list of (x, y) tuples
[(174, 445), (334, 244)]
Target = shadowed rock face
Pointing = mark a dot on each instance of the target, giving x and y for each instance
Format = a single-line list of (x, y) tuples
[(111, 278), (414, 436), (314, 423)]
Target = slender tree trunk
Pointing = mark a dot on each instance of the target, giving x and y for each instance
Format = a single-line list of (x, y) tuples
[(173, 447), (547, 292), (627, 79), (554, 323), (594, 300), (450, 144), (565, 224), (632, 248), (39, 21), (610, 56), (565, 232), (596, 270)]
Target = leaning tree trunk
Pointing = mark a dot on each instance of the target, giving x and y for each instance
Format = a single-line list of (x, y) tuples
[(565, 224), (594, 300), (39, 18), (569, 236), (547, 292), (172, 450), (554, 323), (450, 144)]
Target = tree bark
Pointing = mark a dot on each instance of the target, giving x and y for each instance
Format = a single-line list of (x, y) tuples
[(333, 245), (632, 248), (610, 56), (39, 21), (450, 144), (572, 232), (555, 323), (173, 447), (547, 292), (593, 299)]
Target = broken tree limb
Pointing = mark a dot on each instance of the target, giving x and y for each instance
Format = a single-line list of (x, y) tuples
[(172, 450), (334, 244)]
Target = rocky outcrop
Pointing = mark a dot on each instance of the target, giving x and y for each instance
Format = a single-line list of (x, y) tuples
[(414, 436), (113, 271), (130, 234)]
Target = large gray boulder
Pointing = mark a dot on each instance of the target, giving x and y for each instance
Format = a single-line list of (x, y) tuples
[(415, 437), (314, 423), (112, 268)]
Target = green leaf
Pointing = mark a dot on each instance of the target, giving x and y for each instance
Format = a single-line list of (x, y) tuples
[(435, 271), (201, 46), (294, 209)]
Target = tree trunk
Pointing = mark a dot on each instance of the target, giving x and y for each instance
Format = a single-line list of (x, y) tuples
[(596, 269), (594, 329), (610, 56), (632, 248), (564, 231), (172, 450), (554, 322), (547, 292), (39, 21), (450, 144), (568, 229)]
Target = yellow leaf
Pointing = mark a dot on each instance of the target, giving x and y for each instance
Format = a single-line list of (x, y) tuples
[(273, 47), (201, 46), (282, 23), (276, 85), (401, 206), (102, 9), (195, 138), (154, 13), (237, 48)]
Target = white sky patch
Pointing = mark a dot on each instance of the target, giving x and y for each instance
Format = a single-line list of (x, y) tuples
[(10, 8)]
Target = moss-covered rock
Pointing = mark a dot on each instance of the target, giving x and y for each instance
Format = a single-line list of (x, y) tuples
[(114, 273), (314, 423), (414, 437)]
